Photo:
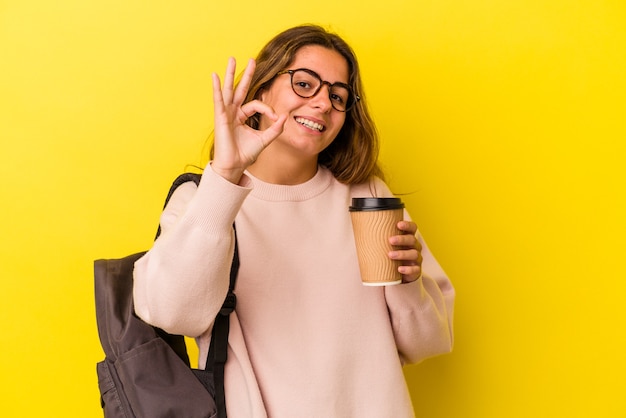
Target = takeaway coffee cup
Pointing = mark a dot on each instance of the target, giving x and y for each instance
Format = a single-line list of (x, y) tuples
[(374, 221)]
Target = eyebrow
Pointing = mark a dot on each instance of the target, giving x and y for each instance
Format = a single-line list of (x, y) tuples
[(345, 83)]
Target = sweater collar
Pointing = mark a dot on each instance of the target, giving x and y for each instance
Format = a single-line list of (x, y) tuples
[(299, 192)]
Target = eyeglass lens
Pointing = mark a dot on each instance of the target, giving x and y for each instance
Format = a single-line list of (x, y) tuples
[(307, 84)]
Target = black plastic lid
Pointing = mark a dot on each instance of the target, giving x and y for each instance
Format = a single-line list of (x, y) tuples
[(360, 204)]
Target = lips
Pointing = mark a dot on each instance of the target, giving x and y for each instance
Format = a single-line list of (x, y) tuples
[(310, 124)]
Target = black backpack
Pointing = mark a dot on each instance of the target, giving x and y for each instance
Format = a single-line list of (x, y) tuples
[(146, 371)]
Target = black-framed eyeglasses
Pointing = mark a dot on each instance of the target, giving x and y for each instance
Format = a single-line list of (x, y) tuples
[(307, 83)]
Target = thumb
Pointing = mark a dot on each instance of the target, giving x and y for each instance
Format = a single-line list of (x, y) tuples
[(275, 129)]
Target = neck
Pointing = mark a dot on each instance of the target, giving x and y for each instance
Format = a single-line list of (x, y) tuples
[(289, 172)]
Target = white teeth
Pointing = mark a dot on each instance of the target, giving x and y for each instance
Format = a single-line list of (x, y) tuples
[(310, 124)]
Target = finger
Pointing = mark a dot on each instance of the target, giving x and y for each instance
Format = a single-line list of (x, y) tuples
[(407, 227), (411, 267), (229, 80), (275, 129), (256, 106), (218, 99), (244, 84), (405, 240), (410, 255), (410, 273)]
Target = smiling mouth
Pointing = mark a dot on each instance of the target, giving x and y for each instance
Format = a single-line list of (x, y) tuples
[(310, 124)]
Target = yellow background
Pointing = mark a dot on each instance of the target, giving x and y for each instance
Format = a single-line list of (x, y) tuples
[(505, 120)]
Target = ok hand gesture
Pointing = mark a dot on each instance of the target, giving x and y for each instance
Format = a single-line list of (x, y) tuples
[(236, 144)]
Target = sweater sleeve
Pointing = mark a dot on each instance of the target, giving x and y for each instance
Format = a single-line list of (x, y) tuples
[(181, 282), (422, 311)]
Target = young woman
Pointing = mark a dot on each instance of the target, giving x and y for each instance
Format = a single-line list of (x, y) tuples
[(293, 144)]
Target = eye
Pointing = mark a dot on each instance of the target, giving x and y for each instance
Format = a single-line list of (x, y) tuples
[(304, 85), (340, 95), (337, 98)]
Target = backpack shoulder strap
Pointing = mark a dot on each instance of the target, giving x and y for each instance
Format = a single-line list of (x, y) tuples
[(177, 342), (183, 178), (218, 350)]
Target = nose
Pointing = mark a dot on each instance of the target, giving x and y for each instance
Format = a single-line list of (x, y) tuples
[(321, 99)]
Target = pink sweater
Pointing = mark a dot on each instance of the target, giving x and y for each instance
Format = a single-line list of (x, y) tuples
[(307, 338)]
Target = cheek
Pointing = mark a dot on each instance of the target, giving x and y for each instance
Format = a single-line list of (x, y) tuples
[(339, 121), (277, 97), (268, 98)]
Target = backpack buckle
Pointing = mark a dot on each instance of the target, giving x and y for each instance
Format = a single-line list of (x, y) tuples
[(229, 304)]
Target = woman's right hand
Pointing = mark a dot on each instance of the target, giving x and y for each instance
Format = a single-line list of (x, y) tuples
[(236, 144)]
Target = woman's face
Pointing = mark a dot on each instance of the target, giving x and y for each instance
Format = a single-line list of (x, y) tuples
[(312, 123)]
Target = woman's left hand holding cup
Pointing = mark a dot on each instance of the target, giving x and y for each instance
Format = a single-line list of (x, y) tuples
[(408, 251)]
